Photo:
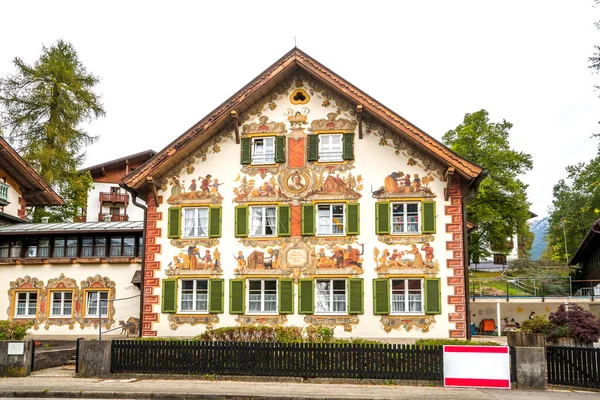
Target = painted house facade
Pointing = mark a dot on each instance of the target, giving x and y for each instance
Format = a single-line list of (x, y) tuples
[(302, 201)]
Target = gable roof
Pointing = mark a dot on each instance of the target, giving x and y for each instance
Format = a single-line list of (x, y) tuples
[(36, 191), (295, 60), (588, 246), (141, 157)]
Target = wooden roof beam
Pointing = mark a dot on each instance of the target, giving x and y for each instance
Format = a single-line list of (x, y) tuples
[(236, 121), (448, 178), (359, 116)]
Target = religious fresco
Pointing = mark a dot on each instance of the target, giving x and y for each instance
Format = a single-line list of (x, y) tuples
[(203, 189), (194, 260), (406, 259), (399, 184)]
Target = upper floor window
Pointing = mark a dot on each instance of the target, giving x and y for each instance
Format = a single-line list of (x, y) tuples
[(195, 222), (122, 246), (65, 247), (4, 248), (407, 296), (331, 219), (263, 150), (330, 147), (263, 221), (331, 296), (193, 295), (93, 246), (262, 296), (406, 218), (26, 304), (62, 304), (38, 247)]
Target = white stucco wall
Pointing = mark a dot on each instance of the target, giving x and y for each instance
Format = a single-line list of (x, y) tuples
[(13, 197), (93, 207)]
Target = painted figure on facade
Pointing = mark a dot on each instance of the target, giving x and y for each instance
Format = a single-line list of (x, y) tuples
[(399, 183), (249, 189), (411, 257), (201, 188), (296, 183), (258, 260), (193, 259), (340, 258)]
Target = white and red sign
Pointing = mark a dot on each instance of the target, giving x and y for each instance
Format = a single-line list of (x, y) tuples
[(477, 366)]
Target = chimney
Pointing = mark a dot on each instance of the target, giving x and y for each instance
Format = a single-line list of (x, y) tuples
[(107, 218), (45, 220)]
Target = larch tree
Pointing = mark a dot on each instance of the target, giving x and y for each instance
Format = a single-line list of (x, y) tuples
[(501, 208), (42, 109)]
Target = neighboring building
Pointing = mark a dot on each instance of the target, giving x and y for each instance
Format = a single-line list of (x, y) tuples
[(20, 187), (303, 201), (588, 255), (106, 200)]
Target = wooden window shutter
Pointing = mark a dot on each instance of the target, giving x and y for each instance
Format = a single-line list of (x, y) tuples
[(169, 295), (280, 149), (428, 217), (286, 296), (241, 221), (308, 220), (174, 224), (381, 296), (355, 296), (306, 293), (382, 218), (348, 146), (353, 219), (246, 151), (237, 296), (433, 296), (284, 220), (313, 148), (214, 222), (216, 291)]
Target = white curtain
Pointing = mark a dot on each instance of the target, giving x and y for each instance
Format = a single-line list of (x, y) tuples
[(271, 220)]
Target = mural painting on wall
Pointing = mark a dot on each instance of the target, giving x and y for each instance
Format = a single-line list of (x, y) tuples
[(131, 327), (336, 258), (399, 184), (332, 122), (193, 260), (250, 190), (412, 257), (407, 323), (203, 189)]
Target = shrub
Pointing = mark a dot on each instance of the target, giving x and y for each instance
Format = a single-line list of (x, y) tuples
[(454, 342), (14, 330), (571, 320), (252, 334), (538, 324), (319, 334)]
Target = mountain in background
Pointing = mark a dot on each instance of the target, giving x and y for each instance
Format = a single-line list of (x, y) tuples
[(539, 229)]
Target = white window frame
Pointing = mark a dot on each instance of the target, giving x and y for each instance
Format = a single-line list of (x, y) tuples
[(330, 294), (194, 296), (263, 224), (262, 297), (27, 304), (326, 152), (100, 301), (406, 300), (331, 233), (62, 303), (263, 158), (196, 226), (405, 215)]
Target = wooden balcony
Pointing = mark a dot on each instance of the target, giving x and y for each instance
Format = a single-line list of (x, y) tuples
[(107, 197), (113, 218)]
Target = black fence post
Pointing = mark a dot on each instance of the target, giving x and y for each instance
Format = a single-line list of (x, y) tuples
[(77, 355)]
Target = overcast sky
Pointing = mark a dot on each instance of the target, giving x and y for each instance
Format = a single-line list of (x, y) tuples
[(164, 65)]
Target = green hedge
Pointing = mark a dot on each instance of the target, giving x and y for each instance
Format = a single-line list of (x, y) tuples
[(454, 342), (14, 330)]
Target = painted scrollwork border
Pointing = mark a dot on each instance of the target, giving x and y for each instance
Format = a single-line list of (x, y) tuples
[(407, 323), (346, 321), (260, 320), (101, 283), (175, 321), (405, 240), (28, 283), (67, 284)]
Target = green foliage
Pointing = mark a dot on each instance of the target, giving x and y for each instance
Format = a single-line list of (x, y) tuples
[(571, 320), (43, 108), (319, 334), (501, 208), (454, 342), (538, 324), (14, 330)]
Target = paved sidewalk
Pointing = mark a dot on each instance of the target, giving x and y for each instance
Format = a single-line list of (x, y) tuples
[(179, 389)]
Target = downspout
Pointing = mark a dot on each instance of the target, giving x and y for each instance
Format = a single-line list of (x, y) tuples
[(134, 197), (472, 192)]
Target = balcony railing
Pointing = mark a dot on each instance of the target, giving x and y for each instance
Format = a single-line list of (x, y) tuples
[(542, 287), (114, 198), (113, 218), (81, 218), (3, 193)]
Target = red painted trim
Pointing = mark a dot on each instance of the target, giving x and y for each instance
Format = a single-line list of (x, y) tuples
[(476, 349), (474, 382)]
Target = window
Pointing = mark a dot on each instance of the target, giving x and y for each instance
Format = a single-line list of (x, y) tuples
[(407, 296), (262, 296), (122, 246), (263, 221), (4, 248), (194, 295), (92, 300), (330, 147), (99, 246), (31, 247), (26, 304), (140, 247), (331, 219), (263, 150), (15, 248), (331, 296), (114, 210), (195, 222), (87, 247), (62, 304), (406, 218), (114, 190)]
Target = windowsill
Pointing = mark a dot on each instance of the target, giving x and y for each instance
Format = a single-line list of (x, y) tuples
[(419, 314), (61, 316), (331, 162), (333, 314), (24, 316), (195, 237), (331, 234), (262, 164), (95, 316), (184, 313), (406, 234), (263, 237)]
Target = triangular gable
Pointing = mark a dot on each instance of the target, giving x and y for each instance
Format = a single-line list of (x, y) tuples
[(239, 103)]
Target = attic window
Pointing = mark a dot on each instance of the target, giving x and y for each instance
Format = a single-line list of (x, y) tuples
[(299, 96)]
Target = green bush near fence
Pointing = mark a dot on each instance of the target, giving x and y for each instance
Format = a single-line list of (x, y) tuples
[(454, 342), (14, 330)]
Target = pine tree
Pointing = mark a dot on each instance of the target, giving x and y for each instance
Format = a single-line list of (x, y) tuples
[(43, 108)]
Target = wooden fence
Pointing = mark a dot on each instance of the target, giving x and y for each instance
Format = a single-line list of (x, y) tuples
[(573, 366), (278, 359)]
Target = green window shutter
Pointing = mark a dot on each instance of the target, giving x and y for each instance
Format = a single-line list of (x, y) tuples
[(308, 220), (169, 295), (237, 296), (355, 296), (352, 219), (313, 148), (433, 296), (286, 296), (216, 292), (306, 293), (214, 222), (241, 221), (174, 224), (284, 220), (280, 149), (382, 218), (348, 146), (381, 296), (428, 216), (246, 151)]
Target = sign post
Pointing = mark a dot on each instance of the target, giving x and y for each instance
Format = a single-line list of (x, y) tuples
[(477, 366)]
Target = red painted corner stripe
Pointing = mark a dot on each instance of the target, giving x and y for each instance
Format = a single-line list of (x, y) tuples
[(490, 383), (476, 349)]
